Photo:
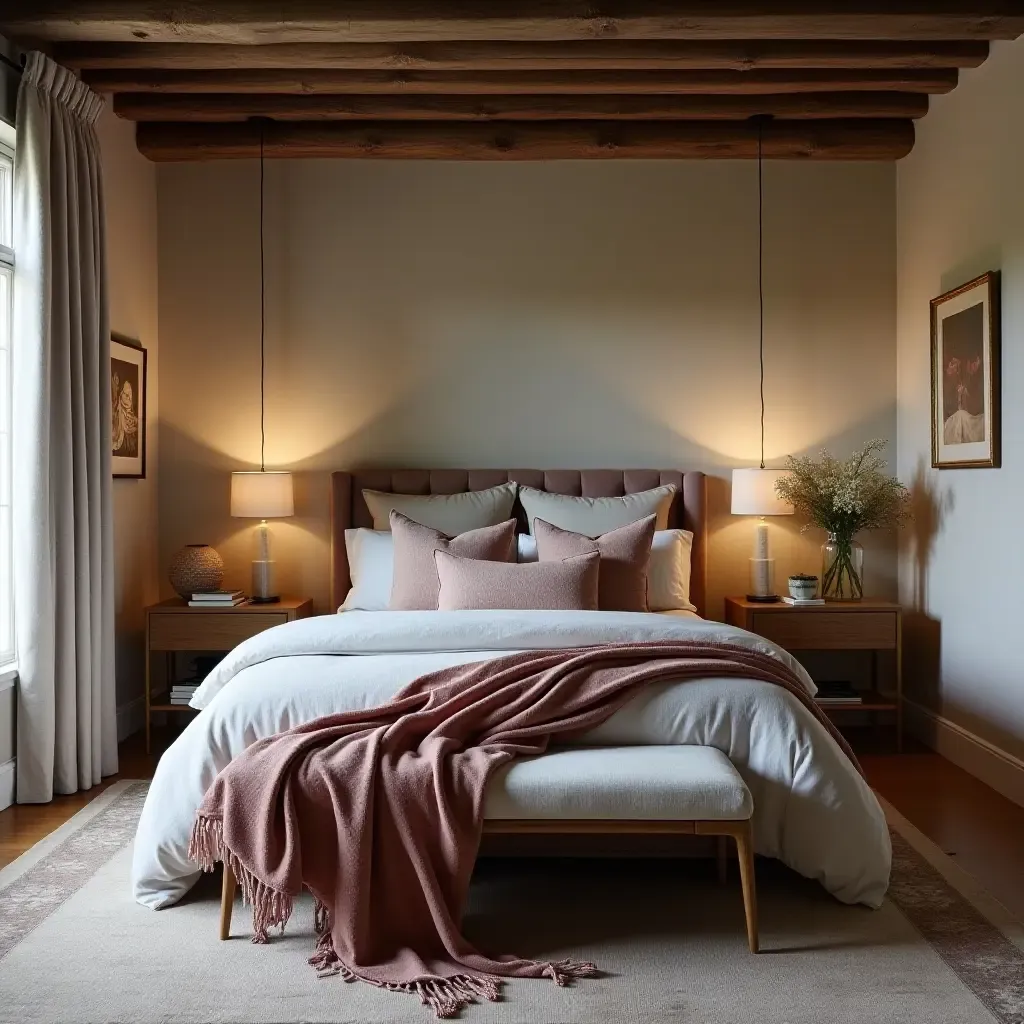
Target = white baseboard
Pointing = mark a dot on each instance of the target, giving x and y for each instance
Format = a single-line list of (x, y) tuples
[(994, 766), (6, 784), (131, 718)]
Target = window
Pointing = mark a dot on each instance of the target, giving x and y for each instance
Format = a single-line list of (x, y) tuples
[(6, 320)]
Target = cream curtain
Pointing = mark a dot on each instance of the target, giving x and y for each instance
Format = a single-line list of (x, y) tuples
[(62, 499)]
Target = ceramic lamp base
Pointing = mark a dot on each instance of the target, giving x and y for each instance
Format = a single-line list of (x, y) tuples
[(264, 574), (762, 576), (763, 598)]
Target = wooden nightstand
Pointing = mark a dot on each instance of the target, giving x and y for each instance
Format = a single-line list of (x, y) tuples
[(836, 626), (171, 626)]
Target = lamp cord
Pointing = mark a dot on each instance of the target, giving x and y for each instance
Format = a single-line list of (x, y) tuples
[(263, 316), (760, 266)]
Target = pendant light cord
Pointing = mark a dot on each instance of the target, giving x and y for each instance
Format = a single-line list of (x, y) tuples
[(263, 314), (760, 266)]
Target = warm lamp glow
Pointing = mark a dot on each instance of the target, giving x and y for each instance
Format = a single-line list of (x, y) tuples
[(262, 495), (753, 493)]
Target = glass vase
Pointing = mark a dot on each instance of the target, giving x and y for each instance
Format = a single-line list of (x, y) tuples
[(842, 569)]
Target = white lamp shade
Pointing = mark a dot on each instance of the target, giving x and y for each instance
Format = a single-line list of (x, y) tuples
[(753, 493), (262, 495)]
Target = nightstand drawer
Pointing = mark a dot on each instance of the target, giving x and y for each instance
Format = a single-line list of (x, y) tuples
[(207, 631), (824, 631)]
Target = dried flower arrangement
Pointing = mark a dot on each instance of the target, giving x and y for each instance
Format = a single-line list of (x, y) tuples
[(843, 497)]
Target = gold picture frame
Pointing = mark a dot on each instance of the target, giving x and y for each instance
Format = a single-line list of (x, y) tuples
[(965, 353)]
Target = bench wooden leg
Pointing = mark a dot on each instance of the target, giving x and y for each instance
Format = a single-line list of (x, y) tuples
[(227, 901), (745, 852), (743, 833)]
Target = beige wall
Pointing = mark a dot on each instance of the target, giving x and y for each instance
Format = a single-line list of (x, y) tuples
[(130, 191), (961, 212), (558, 314)]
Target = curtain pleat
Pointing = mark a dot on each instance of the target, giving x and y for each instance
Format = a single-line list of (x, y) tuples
[(64, 608)]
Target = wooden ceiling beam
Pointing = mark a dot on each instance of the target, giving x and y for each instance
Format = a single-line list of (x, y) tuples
[(270, 21), (578, 55), (889, 139), (331, 82), (796, 106), (818, 140)]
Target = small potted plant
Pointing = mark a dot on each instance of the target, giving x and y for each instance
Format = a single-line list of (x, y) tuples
[(803, 587), (843, 498)]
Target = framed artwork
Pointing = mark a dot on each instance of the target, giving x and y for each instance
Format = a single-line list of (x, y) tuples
[(128, 408), (965, 375)]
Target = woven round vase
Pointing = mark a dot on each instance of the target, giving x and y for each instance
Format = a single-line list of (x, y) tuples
[(196, 569)]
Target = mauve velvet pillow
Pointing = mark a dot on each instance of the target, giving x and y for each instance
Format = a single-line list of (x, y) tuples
[(625, 558), (567, 585), (414, 584)]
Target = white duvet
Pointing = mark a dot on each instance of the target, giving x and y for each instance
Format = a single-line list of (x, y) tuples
[(812, 810)]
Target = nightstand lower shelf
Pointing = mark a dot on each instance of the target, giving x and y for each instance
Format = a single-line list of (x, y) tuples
[(872, 701), (159, 703)]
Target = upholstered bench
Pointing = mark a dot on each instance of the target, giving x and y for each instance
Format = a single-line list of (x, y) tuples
[(670, 790)]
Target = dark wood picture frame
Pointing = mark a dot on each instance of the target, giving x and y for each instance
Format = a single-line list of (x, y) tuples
[(127, 350), (977, 404)]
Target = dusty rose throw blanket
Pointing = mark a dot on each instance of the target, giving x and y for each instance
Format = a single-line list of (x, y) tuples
[(379, 813)]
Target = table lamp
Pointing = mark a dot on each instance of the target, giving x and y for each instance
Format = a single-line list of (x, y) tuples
[(262, 495), (753, 494)]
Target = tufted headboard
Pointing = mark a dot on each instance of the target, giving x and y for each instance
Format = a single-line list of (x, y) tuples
[(348, 509)]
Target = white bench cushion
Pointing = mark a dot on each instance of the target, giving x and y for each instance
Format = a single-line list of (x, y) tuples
[(671, 783)]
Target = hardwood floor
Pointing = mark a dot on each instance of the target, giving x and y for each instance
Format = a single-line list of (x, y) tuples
[(23, 825), (969, 821)]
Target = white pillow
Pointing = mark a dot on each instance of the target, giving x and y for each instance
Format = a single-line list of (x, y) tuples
[(668, 574), (594, 516), (452, 514), (526, 548), (371, 561)]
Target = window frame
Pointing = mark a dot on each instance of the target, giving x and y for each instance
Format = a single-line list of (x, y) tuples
[(7, 264)]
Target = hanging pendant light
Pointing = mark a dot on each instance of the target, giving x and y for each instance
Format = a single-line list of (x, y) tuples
[(262, 494), (753, 490)]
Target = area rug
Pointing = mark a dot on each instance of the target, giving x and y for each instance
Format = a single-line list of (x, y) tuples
[(74, 947)]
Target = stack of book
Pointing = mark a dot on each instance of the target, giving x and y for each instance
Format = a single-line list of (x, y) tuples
[(217, 599), (803, 602), (837, 693), (181, 693)]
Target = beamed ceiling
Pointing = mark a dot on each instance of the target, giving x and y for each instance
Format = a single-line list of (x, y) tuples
[(497, 80)]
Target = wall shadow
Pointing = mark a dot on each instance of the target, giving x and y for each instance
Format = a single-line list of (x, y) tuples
[(922, 632), (928, 509)]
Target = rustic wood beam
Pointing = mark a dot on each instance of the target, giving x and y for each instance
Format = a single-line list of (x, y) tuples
[(794, 106), (270, 21), (575, 140), (575, 55), (331, 82)]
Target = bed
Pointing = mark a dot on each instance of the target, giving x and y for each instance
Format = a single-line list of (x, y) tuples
[(813, 810)]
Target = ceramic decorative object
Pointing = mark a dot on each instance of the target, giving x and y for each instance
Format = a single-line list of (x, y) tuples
[(803, 587), (196, 569)]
